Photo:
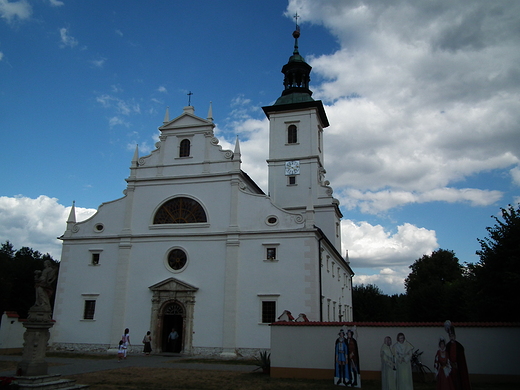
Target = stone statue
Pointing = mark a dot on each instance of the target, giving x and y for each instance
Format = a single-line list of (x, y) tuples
[(44, 281)]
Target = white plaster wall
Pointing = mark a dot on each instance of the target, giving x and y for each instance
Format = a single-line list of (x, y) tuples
[(284, 278), (11, 332), (489, 350), (77, 276)]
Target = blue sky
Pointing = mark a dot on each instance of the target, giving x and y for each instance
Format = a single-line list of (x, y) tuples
[(423, 101)]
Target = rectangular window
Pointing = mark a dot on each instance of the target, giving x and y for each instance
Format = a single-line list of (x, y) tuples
[(268, 311), (95, 258), (292, 180), (90, 308), (271, 253)]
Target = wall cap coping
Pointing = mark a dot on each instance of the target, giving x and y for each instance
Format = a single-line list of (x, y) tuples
[(401, 324)]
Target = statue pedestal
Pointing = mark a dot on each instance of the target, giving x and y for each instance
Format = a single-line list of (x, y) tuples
[(35, 338)]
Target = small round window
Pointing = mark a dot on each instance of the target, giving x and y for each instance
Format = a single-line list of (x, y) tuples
[(99, 227), (177, 259), (271, 220)]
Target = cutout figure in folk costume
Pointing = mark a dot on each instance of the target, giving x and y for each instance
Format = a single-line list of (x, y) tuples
[(346, 360)]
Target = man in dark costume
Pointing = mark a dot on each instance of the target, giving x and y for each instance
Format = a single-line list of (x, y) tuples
[(353, 358)]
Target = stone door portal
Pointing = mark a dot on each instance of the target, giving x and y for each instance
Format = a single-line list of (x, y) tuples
[(173, 319), (173, 302)]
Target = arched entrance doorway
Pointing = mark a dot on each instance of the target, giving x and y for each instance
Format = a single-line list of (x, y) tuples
[(173, 303), (173, 320)]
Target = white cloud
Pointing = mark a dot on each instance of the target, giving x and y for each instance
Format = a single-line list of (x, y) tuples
[(56, 3), (515, 174), (117, 121), (15, 10), (1, 56), (123, 107), (99, 63), (66, 39), (373, 246), (382, 256), (377, 202), (162, 89), (389, 280), (420, 98), (36, 223)]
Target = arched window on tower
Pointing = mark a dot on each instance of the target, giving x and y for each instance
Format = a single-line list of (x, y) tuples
[(292, 134), (184, 150), (180, 210)]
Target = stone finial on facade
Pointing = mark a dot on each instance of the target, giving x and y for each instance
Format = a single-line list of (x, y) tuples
[(166, 116)]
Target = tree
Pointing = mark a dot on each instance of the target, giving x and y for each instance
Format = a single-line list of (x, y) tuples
[(369, 303), (436, 288), (497, 274), (17, 277)]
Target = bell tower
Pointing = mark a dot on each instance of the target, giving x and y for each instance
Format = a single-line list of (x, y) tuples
[(296, 164)]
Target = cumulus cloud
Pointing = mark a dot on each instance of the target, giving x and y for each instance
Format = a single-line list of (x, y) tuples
[(36, 223), (66, 39), (389, 280), (16, 10), (377, 202), (162, 89), (420, 98), (515, 174), (56, 3), (383, 257), (373, 246)]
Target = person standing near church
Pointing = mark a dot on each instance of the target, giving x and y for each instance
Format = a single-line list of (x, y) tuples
[(125, 338), (403, 351), (172, 340), (147, 341)]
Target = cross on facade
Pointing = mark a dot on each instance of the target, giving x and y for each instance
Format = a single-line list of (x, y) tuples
[(189, 98)]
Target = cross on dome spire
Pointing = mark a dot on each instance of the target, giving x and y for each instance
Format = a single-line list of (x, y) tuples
[(296, 34), (297, 75)]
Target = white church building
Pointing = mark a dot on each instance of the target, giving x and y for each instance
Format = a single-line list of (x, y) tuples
[(196, 245)]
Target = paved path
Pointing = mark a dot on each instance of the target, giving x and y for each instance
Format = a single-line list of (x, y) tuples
[(72, 366)]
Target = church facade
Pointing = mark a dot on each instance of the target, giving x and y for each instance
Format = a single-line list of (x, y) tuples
[(195, 245)]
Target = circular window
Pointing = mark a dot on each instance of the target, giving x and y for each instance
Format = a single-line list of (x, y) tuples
[(177, 259), (99, 227), (271, 220)]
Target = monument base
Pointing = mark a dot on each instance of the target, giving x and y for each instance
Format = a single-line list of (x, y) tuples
[(46, 382), (35, 339)]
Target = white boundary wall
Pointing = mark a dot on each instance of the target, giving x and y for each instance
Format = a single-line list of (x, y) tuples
[(307, 349), (11, 331)]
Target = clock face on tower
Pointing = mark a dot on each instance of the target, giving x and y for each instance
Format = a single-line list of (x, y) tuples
[(292, 168)]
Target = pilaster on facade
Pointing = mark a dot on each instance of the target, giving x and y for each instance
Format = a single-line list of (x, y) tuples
[(121, 288), (230, 318)]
